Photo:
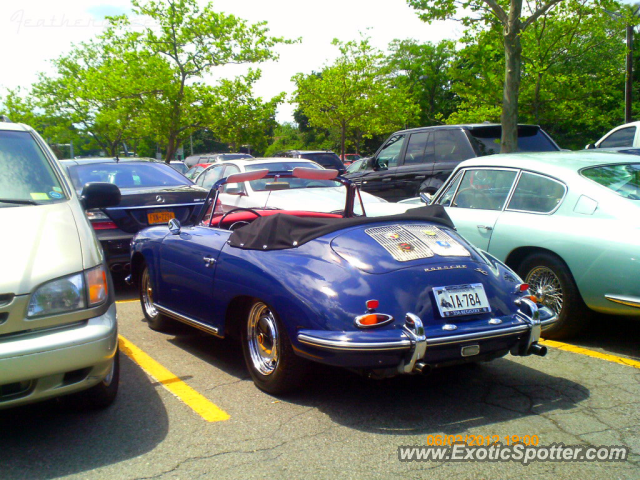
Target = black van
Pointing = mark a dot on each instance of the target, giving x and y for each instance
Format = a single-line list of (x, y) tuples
[(420, 160)]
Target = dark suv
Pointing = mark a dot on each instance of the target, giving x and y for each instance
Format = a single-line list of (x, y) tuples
[(420, 160), (325, 158)]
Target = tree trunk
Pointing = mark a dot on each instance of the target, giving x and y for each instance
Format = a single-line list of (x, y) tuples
[(172, 147), (343, 139), (513, 55)]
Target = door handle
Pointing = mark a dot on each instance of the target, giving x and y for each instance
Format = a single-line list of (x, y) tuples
[(208, 261), (485, 227), (387, 179)]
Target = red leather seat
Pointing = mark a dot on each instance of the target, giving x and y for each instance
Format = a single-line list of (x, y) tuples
[(248, 216)]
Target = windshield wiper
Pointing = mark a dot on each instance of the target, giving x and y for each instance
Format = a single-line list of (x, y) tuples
[(18, 202)]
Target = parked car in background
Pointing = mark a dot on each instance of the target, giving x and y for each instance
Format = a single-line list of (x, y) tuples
[(325, 158), (58, 331), (383, 297), (357, 165), (214, 158), (627, 135), (179, 166), (568, 223), (194, 171), (311, 195), (349, 158), (152, 193), (421, 159)]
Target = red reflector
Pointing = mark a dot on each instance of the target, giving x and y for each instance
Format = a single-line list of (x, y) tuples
[(103, 225), (373, 304), (524, 287)]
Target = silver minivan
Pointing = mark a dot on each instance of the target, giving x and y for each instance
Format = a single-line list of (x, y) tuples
[(58, 331)]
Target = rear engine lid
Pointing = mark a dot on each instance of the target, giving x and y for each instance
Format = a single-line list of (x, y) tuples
[(387, 248)]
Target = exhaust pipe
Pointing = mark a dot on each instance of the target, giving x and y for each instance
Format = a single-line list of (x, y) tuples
[(537, 349), (116, 267), (422, 368)]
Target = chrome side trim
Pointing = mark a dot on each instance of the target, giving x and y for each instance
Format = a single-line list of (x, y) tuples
[(548, 322), (624, 300), (478, 336), (403, 344), (188, 320), (157, 205)]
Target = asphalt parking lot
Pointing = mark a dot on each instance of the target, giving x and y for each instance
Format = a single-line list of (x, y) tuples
[(341, 425)]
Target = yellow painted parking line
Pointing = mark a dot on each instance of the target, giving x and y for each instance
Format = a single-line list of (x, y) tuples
[(128, 301), (203, 407), (591, 353)]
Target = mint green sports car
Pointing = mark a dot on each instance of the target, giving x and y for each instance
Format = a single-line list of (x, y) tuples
[(567, 222)]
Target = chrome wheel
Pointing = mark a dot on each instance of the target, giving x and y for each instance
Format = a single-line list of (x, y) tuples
[(147, 294), (545, 285), (262, 339)]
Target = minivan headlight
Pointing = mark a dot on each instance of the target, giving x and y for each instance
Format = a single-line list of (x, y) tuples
[(70, 293)]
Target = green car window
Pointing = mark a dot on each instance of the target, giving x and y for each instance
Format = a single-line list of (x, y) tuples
[(537, 194), (484, 189), (624, 179)]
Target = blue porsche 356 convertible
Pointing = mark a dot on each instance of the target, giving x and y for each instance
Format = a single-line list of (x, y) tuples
[(382, 296)]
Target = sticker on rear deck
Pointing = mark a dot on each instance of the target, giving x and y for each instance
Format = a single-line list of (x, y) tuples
[(405, 247)]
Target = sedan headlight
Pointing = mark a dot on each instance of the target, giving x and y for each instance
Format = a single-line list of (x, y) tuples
[(70, 293)]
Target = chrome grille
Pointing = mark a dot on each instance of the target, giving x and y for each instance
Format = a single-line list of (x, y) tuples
[(448, 247), (401, 244)]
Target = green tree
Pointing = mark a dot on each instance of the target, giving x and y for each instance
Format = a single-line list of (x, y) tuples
[(425, 70), (513, 22), (353, 94), (572, 75), (237, 118), (190, 41)]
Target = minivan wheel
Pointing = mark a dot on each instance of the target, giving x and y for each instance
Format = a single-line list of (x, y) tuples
[(101, 395), (268, 353), (551, 281), (156, 320)]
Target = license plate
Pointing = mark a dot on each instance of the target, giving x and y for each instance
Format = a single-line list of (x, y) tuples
[(160, 217), (458, 300)]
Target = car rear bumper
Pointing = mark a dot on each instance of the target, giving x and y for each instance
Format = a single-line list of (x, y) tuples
[(407, 350), (54, 362)]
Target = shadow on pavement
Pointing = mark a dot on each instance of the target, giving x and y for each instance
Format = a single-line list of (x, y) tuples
[(48, 440), (613, 334), (450, 400)]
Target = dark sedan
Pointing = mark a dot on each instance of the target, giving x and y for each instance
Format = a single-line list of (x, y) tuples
[(152, 194)]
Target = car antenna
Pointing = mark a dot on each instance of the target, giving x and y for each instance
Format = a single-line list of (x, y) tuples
[(275, 180)]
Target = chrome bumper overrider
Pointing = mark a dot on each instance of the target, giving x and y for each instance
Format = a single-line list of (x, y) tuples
[(414, 341)]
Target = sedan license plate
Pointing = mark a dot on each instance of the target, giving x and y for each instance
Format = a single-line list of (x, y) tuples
[(458, 300), (160, 217)]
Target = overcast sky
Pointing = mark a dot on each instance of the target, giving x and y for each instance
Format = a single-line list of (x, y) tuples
[(34, 31)]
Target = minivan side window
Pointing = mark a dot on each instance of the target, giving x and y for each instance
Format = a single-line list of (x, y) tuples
[(484, 189), (388, 156), (536, 193), (620, 138), (419, 149), (452, 145)]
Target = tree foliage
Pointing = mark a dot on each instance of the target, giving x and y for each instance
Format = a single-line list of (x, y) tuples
[(425, 71), (355, 95)]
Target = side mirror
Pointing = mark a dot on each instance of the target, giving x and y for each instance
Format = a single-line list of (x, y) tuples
[(99, 195), (589, 146), (234, 191), (174, 226)]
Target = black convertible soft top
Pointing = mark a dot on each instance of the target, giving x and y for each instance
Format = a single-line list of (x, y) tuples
[(278, 232)]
